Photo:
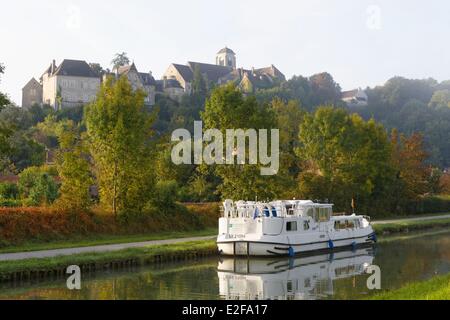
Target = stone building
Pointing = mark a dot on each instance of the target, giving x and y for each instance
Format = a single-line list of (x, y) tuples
[(170, 88), (224, 71), (138, 80), (32, 93), (72, 83)]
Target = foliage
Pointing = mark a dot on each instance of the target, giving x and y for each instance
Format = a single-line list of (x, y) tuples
[(4, 101), (118, 132), (440, 99), (408, 159), (37, 185), (414, 106), (74, 170), (45, 224), (9, 191), (120, 59), (344, 158), (199, 84), (227, 108)]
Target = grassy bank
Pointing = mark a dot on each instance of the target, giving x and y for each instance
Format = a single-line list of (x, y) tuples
[(56, 267), (94, 240), (437, 288), (407, 226)]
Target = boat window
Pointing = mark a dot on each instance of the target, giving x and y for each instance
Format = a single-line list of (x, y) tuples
[(344, 224), (291, 226), (324, 214)]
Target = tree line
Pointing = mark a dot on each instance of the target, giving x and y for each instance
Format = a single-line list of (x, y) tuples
[(115, 152)]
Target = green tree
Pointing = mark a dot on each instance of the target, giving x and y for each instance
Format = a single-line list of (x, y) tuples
[(227, 108), (324, 90), (199, 84), (345, 158), (118, 132), (288, 117), (4, 101), (73, 169), (440, 99), (37, 186)]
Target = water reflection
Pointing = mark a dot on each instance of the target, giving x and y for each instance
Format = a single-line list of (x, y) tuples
[(302, 278)]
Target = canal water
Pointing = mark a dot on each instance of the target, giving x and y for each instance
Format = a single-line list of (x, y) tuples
[(342, 275)]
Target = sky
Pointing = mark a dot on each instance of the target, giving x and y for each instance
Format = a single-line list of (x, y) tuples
[(361, 43)]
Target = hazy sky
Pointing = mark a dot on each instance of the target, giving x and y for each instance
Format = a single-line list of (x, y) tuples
[(361, 43)]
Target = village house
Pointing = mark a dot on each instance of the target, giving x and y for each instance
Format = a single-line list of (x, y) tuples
[(138, 80), (75, 83), (32, 93)]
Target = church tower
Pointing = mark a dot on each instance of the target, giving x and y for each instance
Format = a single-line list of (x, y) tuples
[(226, 57)]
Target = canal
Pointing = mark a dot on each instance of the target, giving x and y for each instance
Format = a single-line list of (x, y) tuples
[(342, 275)]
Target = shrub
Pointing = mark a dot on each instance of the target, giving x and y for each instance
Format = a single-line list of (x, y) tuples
[(10, 203), (45, 224), (9, 191), (38, 186), (164, 195)]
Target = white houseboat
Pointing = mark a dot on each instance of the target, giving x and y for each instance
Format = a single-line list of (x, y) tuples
[(288, 227)]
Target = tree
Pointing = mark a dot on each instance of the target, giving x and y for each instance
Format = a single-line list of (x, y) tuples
[(97, 68), (120, 59), (324, 89), (199, 84), (288, 117), (344, 158), (73, 169), (408, 159), (118, 132), (37, 186), (440, 99), (4, 101), (227, 108)]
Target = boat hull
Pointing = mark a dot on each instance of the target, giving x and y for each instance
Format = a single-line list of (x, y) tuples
[(271, 246)]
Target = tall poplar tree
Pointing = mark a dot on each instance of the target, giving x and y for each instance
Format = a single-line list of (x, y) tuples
[(118, 132)]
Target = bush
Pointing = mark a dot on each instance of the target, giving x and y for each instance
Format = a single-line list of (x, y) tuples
[(9, 191), (11, 203), (38, 186), (164, 195), (45, 224)]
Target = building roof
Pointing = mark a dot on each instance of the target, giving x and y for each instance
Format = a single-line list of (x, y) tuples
[(226, 50), (75, 68), (213, 72), (272, 71), (185, 72), (147, 79), (32, 82), (349, 94)]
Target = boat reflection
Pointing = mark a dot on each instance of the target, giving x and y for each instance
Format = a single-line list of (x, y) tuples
[(304, 278)]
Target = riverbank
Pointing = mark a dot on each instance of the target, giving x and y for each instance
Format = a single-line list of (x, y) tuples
[(95, 240), (388, 228), (437, 288), (90, 262), (55, 266)]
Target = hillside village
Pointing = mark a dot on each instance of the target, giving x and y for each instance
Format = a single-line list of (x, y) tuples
[(76, 82)]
